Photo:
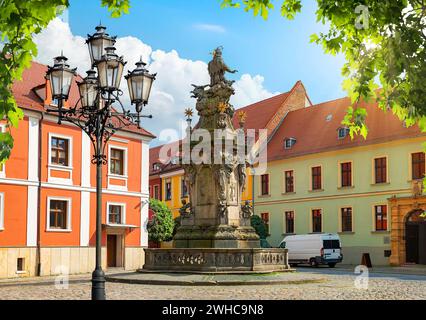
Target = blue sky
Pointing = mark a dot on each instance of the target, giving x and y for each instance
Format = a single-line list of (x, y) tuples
[(277, 49)]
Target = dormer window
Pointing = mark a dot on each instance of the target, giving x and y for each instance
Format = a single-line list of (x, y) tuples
[(156, 167), (342, 133), (289, 143)]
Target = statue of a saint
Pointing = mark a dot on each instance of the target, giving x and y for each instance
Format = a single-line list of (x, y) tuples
[(218, 68)]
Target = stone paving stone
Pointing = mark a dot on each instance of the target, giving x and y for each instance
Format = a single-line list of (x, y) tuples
[(339, 287)]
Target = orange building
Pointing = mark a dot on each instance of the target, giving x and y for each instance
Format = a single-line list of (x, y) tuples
[(47, 192)]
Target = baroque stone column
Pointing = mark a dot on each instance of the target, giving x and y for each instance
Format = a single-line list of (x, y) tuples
[(215, 217)]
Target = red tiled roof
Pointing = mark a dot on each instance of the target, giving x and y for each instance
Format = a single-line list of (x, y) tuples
[(260, 113), (34, 77), (315, 134)]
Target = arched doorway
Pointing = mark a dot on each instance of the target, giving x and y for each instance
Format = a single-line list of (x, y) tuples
[(415, 237)]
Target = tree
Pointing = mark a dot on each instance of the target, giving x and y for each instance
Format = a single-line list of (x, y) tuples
[(259, 226), (382, 40), (20, 20), (162, 225)]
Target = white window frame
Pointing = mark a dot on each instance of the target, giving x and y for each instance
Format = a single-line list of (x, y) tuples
[(292, 143), (345, 130), (1, 211), (56, 167), (123, 177), (69, 213), (123, 212)]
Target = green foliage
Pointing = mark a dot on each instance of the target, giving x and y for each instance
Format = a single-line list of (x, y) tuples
[(382, 40), (162, 226), (20, 20), (117, 7), (260, 227)]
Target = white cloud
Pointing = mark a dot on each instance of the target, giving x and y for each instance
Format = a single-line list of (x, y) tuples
[(210, 27), (249, 90), (171, 91)]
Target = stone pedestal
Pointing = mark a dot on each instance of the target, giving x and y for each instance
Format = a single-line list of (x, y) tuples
[(216, 260)]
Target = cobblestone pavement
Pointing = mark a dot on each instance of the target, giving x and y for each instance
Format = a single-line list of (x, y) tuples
[(338, 286)]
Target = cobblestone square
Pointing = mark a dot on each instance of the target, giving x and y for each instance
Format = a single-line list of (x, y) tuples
[(339, 285)]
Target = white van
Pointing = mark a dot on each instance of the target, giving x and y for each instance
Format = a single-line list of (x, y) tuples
[(314, 249)]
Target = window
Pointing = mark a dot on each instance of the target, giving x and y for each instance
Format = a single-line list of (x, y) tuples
[(58, 214), (289, 222), (156, 192), (265, 218), (289, 181), (316, 178), (380, 170), (289, 143), (117, 162), (316, 221), (264, 181), (342, 133), (156, 167), (346, 173), (116, 214), (331, 244), (59, 151), (168, 190), (20, 265), (418, 165), (346, 216), (381, 217), (184, 187)]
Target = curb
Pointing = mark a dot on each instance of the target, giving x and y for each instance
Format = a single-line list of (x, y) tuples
[(213, 283)]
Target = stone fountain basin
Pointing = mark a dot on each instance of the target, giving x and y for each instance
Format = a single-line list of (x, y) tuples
[(216, 260)]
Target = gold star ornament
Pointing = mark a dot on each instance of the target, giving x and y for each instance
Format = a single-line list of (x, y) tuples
[(189, 113), (222, 107), (242, 117)]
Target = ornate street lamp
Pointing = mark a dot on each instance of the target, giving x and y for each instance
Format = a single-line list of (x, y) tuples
[(140, 83), (99, 113), (110, 70), (98, 43), (60, 77), (88, 90)]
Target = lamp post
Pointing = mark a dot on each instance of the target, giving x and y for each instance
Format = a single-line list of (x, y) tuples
[(99, 113)]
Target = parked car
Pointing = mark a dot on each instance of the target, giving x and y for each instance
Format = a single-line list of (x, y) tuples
[(313, 249)]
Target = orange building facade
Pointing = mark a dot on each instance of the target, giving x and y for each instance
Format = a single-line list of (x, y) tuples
[(48, 196)]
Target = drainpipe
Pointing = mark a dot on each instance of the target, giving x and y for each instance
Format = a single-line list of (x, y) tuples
[(40, 158)]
